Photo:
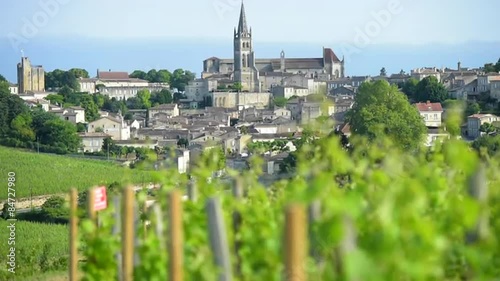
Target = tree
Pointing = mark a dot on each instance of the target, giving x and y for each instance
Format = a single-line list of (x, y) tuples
[(410, 88), (162, 97), (80, 127), (55, 99), (180, 78), (280, 101), (490, 144), (108, 144), (144, 98), (472, 108), (237, 86), (91, 109), (383, 72), (60, 134), (139, 74), (54, 210), (381, 110), (2, 79), (79, 72), (21, 127), (487, 128), (489, 67), (178, 96), (183, 143), (430, 89)]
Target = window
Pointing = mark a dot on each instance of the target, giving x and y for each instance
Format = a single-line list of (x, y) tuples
[(435, 116)]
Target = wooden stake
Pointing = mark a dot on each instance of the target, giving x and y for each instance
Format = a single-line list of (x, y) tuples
[(73, 235), (218, 238), (175, 236), (192, 191), (128, 234), (295, 243), (238, 194), (116, 231)]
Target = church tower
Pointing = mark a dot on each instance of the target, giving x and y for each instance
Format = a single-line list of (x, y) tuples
[(245, 71)]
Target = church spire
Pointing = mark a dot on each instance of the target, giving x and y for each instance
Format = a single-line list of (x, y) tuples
[(242, 25)]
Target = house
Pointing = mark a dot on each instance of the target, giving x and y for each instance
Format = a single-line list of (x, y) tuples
[(475, 121), (276, 113), (484, 81), (312, 110), (423, 72), (464, 89), (495, 89), (431, 113), (116, 127), (398, 79), (44, 104), (171, 110), (92, 142), (434, 135), (14, 89), (289, 91), (198, 89), (74, 114), (138, 143), (343, 105), (343, 91)]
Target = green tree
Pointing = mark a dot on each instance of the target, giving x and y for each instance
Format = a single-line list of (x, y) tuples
[(108, 144), (430, 89), (383, 72), (487, 144), (91, 109), (11, 106), (139, 74), (237, 86), (472, 108), (487, 128), (183, 143), (54, 210), (180, 78), (2, 79), (489, 67), (280, 101), (79, 72), (21, 127), (99, 99), (80, 128), (61, 134), (55, 99), (380, 109), (162, 97), (144, 97), (410, 88), (163, 76)]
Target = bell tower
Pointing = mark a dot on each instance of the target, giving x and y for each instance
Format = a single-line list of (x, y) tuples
[(245, 71)]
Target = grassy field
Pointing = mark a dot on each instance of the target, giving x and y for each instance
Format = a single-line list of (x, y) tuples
[(53, 174), (40, 249)]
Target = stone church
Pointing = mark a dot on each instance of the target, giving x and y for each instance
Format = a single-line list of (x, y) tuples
[(30, 78), (250, 71)]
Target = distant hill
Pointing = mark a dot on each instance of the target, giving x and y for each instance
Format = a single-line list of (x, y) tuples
[(53, 174)]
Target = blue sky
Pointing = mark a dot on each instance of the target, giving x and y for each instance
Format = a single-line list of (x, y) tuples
[(321, 21)]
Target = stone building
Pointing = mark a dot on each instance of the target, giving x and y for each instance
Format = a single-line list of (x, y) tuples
[(30, 78), (249, 70), (241, 100)]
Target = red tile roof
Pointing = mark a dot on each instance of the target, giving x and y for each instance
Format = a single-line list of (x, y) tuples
[(330, 56), (429, 106), (112, 75)]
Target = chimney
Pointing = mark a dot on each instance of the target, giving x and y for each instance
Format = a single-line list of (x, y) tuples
[(459, 66), (428, 102)]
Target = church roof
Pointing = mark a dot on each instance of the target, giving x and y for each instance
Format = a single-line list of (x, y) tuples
[(330, 56), (302, 63), (112, 75)]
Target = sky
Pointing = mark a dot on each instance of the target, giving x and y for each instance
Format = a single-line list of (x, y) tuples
[(322, 21), (125, 35)]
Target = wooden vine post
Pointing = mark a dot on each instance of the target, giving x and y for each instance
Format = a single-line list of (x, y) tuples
[(175, 236), (295, 243), (73, 235), (218, 239), (238, 195), (128, 230)]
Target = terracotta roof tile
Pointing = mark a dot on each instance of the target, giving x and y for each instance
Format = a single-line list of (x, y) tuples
[(429, 106)]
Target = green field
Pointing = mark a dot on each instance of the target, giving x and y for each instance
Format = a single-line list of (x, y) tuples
[(40, 248), (52, 174)]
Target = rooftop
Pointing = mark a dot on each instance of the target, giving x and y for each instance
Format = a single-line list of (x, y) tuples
[(428, 106)]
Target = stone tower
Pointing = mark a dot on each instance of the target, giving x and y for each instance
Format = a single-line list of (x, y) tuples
[(245, 71), (30, 77)]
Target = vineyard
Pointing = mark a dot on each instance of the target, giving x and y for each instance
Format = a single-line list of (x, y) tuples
[(39, 248), (52, 174), (372, 213)]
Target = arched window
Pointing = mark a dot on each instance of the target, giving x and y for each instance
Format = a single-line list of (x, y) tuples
[(244, 60)]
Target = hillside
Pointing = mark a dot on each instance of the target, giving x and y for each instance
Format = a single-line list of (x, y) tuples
[(50, 174)]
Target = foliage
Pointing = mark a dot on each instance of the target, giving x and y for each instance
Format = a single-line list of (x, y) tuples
[(237, 86), (487, 128), (162, 97), (410, 88), (316, 98), (2, 78), (490, 67), (59, 78), (54, 210), (40, 248), (182, 142), (51, 174), (383, 72), (144, 98), (180, 78), (280, 101), (487, 144), (430, 89), (380, 109), (260, 147)]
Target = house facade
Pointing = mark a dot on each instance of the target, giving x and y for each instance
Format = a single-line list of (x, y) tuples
[(475, 121), (92, 142), (431, 113), (115, 127)]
